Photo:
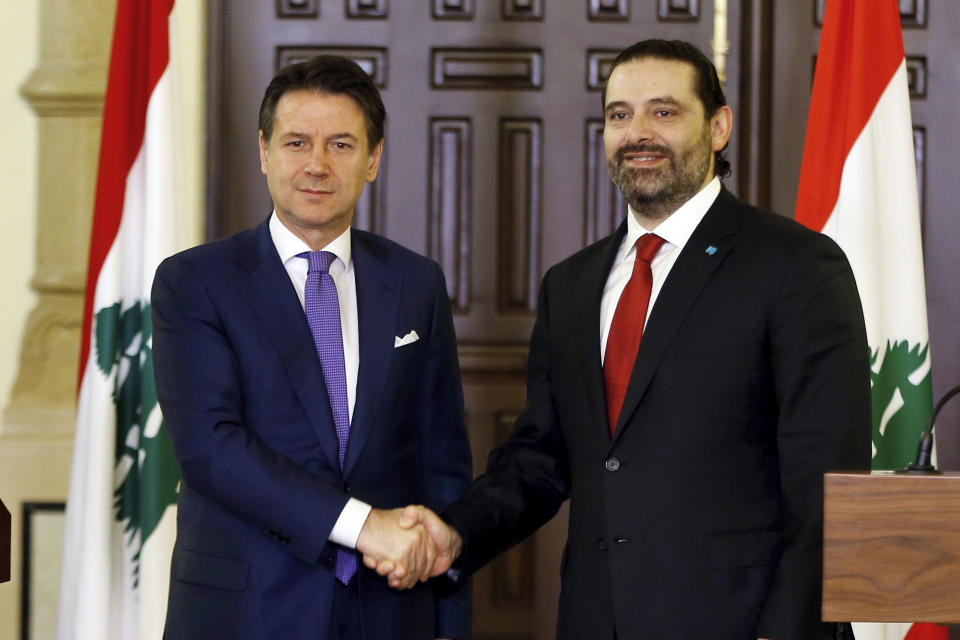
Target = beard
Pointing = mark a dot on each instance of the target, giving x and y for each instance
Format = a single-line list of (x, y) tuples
[(655, 193)]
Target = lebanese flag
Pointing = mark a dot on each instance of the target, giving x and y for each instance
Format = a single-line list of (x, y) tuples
[(120, 519), (858, 185)]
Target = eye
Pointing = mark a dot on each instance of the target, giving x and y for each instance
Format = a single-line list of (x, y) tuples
[(664, 113), (342, 146), (618, 115), (295, 144)]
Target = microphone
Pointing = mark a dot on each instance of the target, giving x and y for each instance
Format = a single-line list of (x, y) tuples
[(922, 465)]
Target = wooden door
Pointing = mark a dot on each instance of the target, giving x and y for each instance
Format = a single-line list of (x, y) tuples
[(493, 167)]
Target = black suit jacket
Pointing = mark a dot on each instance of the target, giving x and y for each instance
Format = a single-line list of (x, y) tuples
[(702, 516), (243, 396)]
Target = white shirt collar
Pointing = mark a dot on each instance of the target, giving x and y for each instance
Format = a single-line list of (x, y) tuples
[(677, 228), (289, 245)]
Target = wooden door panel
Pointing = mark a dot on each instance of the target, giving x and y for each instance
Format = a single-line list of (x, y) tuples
[(493, 166)]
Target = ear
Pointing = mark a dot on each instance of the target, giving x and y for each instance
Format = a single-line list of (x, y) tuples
[(721, 126), (373, 162), (263, 153)]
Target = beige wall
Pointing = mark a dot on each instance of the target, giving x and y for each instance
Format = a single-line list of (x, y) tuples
[(18, 180), (34, 463)]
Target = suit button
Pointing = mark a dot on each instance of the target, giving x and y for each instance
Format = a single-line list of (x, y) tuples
[(612, 464), (602, 544), (621, 540)]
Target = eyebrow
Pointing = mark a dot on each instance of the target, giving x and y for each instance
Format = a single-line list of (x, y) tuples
[(337, 136), (665, 100), (334, 136)]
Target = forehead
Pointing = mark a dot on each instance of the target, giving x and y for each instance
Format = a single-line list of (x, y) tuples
[(646, 79), (306, 111)]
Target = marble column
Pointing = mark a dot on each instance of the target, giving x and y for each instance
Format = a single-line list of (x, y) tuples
[(66, 91)]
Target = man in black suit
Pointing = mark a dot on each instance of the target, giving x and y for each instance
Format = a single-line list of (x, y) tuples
[(693, 458)]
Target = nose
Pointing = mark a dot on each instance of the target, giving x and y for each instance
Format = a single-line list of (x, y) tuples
[(317, 164), (639, 129)]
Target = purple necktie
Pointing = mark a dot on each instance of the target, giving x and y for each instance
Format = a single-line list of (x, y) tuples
[(323, 316)]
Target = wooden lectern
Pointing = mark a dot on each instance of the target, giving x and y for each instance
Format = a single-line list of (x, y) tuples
[(891, 547), (4, 543)]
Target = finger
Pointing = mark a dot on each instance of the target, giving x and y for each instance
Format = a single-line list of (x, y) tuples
[(404, 582), (370, 562), (431, 559), (409, 517), (385, 568)]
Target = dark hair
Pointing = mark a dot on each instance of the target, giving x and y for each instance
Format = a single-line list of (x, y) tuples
[(331, 75), (706, 83)]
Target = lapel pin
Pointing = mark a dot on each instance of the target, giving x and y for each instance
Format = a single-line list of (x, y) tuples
[(711, 250)]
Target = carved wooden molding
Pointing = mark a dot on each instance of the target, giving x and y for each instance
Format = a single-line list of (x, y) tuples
[(678, 10), (917, 77), (613, 10), (448, 226), (920, 155), (604, 207), (297, 9), (599, 62), (513, 573), (522, 9), (373, 60), (370, 211), (492, 358), (520, 214), (453, 9), (913, 13), (364, 9), (486, 68)]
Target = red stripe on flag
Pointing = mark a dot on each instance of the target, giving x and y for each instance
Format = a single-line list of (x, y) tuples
[(140, 53), (924, 631), (860, 49)]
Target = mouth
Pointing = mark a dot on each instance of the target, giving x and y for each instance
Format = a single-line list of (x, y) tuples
[(642, 156), (314, 192)]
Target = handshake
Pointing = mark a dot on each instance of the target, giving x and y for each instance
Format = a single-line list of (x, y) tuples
[(408, 545)]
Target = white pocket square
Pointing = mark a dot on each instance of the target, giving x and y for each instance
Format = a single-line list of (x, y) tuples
[(410, 338)]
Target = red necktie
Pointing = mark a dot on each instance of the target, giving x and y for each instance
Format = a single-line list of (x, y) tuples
[(627, 327)]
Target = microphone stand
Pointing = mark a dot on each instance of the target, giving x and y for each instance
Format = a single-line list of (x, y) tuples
[(922, 465)]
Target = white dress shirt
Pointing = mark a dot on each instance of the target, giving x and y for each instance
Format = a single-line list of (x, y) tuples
[(675, 230), (354, 514)]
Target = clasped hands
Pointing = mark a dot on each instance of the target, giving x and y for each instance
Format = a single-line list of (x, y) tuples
[(407, 545)]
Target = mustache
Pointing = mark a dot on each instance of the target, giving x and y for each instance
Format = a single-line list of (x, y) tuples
[(638, 148)]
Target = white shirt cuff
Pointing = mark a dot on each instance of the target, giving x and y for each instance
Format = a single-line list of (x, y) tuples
[(347, 529)]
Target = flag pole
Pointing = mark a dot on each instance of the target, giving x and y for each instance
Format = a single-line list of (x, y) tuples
[(719, 44)]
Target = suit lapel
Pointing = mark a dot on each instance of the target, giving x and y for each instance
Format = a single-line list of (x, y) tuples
[(706, 249), (378, 302), (589, 293), (270, 293)]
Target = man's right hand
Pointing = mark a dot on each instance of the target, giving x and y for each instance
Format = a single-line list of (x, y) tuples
[(405, 554), (446, 539)]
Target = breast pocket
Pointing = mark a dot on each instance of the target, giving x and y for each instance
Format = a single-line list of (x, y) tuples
[(732, 342)]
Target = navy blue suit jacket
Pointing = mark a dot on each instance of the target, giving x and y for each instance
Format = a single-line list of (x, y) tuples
[(242, 393)]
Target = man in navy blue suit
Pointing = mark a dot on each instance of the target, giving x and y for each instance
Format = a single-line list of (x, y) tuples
[(308, 376)]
